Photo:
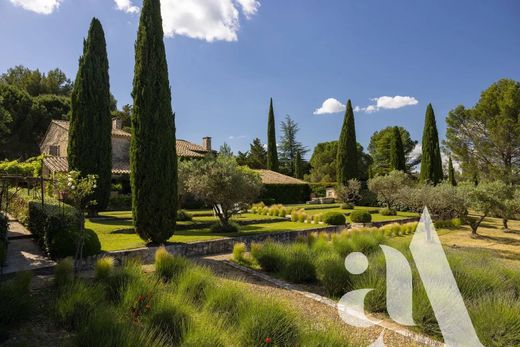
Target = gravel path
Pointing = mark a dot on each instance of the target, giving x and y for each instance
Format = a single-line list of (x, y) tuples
[(318, 313)]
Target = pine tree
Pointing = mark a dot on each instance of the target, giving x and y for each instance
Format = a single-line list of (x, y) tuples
[(298, 166), (451, 173), (90, 131), (397, 157), (431, 164), (153, 154), (272, 150), (347, 160)]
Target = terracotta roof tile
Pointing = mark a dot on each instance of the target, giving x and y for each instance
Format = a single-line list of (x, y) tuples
[(271, 177), (115, 132)]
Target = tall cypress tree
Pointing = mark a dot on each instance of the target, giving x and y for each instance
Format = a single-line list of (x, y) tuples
[(451, 173), (397, 157), (298, 166), (431, 164), (272, 150), (153, 154), (90, 133), (347, 158)]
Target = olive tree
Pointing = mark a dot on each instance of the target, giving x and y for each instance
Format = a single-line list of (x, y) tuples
[(221, 183), (350, 192), (388, 187)]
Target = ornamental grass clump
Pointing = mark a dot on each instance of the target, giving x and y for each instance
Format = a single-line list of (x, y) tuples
[(227, 302), (194, 285), (269, 255), (207, 330), (298, 266), (77, 302), (64, 272), (16, 301), (331, 273), (170, 318), (129, 272), (104, 268), (269, 323), (167, 266), (239, 253)]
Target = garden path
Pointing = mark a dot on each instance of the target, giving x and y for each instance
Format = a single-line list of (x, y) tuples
[(23, 254)]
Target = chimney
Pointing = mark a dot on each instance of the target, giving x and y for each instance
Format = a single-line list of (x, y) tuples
[(206, 143), (117, 124)]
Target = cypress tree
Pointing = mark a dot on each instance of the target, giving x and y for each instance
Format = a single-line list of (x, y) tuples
[(153, 149), (272, 150), (397, 157), (90, 130), (347, 158), (298, 166), (451, 173), (431, 163)]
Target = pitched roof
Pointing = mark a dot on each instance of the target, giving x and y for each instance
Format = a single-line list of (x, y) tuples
[(185, 149), (115, 132), (271, 177)]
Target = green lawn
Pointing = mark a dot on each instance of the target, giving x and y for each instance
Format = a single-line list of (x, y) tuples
[(118, 234)]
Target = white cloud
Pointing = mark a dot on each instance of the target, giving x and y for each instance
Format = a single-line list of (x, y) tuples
[(38, 6), (210, 20), (236, 137), (330, 106), (126, 6), (388, 103)]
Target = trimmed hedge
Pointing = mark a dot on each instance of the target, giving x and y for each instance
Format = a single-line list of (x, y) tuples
[(360, 217), (55, 226), (334, 218), (120, 203), (285, 193)]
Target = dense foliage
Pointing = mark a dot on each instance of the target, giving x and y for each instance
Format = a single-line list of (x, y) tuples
[(387, 187), (285, 193), (347, 158), (431, 162), (256, 157), (153, 147), (32, 167), (289, 147), (272, 148), (485, 139), (90, 130), (380, 148), (397, 156)]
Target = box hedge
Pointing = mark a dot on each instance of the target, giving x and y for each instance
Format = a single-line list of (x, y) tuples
[(360, 217), (334, 218), (55, 226), (285, 193)]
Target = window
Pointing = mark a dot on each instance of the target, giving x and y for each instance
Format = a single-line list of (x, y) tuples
[(54, 151)]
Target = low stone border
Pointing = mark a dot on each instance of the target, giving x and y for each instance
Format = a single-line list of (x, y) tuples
[(210, 247), (329, 302)]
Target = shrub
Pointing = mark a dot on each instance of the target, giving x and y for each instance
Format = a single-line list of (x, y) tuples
[(317, 218), (104, 268), (448, 224), (360, 217), (298, 266), (164, 264), (227, 301), (17, 303), (77, 302), (63, 272), (365, 242), (294, 216), (183, 216), (286, 193), (282, 213), (171, 319), (121, 277), (269, 255), (347, 206), (239, 253), (120, 203), (331, 272), (194, 285), (387, 212), (302, 217), (321, 246), (269, 323), (62, 243), (334, 218), (230, 228)]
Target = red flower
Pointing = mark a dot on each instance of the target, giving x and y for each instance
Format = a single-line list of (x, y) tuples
[(267, 340)]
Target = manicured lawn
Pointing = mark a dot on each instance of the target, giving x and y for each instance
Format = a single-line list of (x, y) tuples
[(118, 234)]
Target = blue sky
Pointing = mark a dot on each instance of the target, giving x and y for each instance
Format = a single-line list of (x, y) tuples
[(227, 57)]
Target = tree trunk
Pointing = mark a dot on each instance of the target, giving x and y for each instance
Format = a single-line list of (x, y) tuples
[(505, 224), (474, 225), (79, 247)]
